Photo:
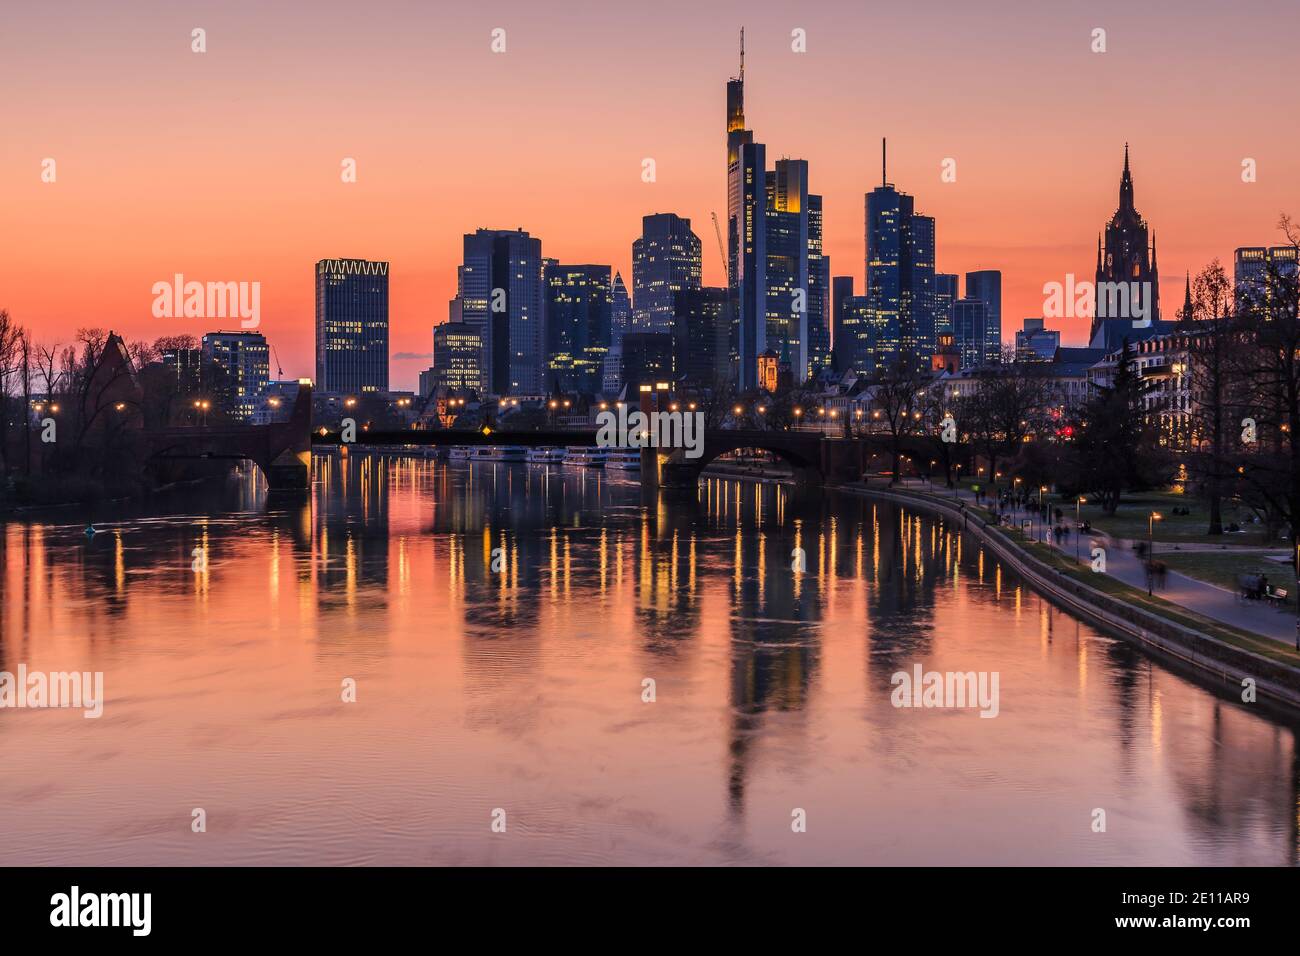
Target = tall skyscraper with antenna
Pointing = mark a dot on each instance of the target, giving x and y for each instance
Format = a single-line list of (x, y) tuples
[(900, 288), (778, 275)]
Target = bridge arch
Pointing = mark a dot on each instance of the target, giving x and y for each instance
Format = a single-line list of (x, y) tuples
[(802, 452), (282, 450)]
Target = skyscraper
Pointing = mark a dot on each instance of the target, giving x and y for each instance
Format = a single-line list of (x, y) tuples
[(665, 260), (870, 339), (1251, 266), (844, 343), (986, 285), (500, 295), (620, 322), (946, 292), (578, 306), (970, 320), (774, 249), (647, 359), (900, 272), (1126, 258), (1036, 342), (620, 310), (457, 354), (701, 333), (351, 326), (819, 292), (246, 358)]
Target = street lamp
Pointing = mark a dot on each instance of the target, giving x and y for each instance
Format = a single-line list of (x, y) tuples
[(1151, 549)]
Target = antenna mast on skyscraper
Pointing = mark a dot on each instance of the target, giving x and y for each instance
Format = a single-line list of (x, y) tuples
[(742, 54), (884, 176)]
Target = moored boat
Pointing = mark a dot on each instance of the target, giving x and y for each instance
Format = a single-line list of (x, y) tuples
[(546, 456), (586, 456)]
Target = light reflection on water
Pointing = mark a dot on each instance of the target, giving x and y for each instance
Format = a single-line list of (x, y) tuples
[(522, 688)]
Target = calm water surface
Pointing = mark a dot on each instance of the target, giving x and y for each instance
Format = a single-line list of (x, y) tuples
[(522, 689)]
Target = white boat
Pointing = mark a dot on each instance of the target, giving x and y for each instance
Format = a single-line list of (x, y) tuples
[(503, 453), (545, 456), (585, 456), (625, 459), (461, 453)]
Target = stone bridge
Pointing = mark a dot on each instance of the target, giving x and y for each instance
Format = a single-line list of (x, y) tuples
[(282, 450), (812, 456)]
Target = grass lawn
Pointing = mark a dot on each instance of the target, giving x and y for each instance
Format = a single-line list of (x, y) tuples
[(1130, 521), (1265, 647), (1222, 567)]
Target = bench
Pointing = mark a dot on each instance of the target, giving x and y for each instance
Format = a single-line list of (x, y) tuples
[(1275, 595)]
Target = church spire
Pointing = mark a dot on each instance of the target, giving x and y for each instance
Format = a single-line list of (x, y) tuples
[(1153, 250), (1126, 184), (1187, 300)]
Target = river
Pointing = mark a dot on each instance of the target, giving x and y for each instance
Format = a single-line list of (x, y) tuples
[(505, 627)]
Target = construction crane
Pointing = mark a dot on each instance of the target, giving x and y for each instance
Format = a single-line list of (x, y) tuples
[(279, 369), (722, 248)]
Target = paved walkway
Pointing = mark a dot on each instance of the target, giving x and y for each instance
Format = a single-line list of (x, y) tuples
[(1122, 563)]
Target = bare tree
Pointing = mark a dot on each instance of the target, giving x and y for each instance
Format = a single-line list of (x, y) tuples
[(1210, 333), (897, 394), (11, 336), (1266, 360)]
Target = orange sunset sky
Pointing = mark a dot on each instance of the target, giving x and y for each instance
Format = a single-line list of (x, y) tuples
[(225, 165)]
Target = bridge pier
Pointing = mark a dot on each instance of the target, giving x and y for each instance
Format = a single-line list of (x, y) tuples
[(290, 471), (678, 475)]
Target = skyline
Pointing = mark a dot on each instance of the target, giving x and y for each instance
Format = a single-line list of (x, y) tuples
[(231, 191)]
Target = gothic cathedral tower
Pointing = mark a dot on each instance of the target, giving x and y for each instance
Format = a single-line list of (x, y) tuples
[(1126, 258)]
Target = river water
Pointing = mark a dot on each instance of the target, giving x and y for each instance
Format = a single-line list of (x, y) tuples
[(501, 625)]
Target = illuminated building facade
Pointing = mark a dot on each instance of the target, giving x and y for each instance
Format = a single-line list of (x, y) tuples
[(970, 329), (1252, 265), (946, 292), (986, 285), (778, 274), (900, 275), (457, 353), (351, 326), (578, 316), (665, 261), (246, 359), (500, 294)]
